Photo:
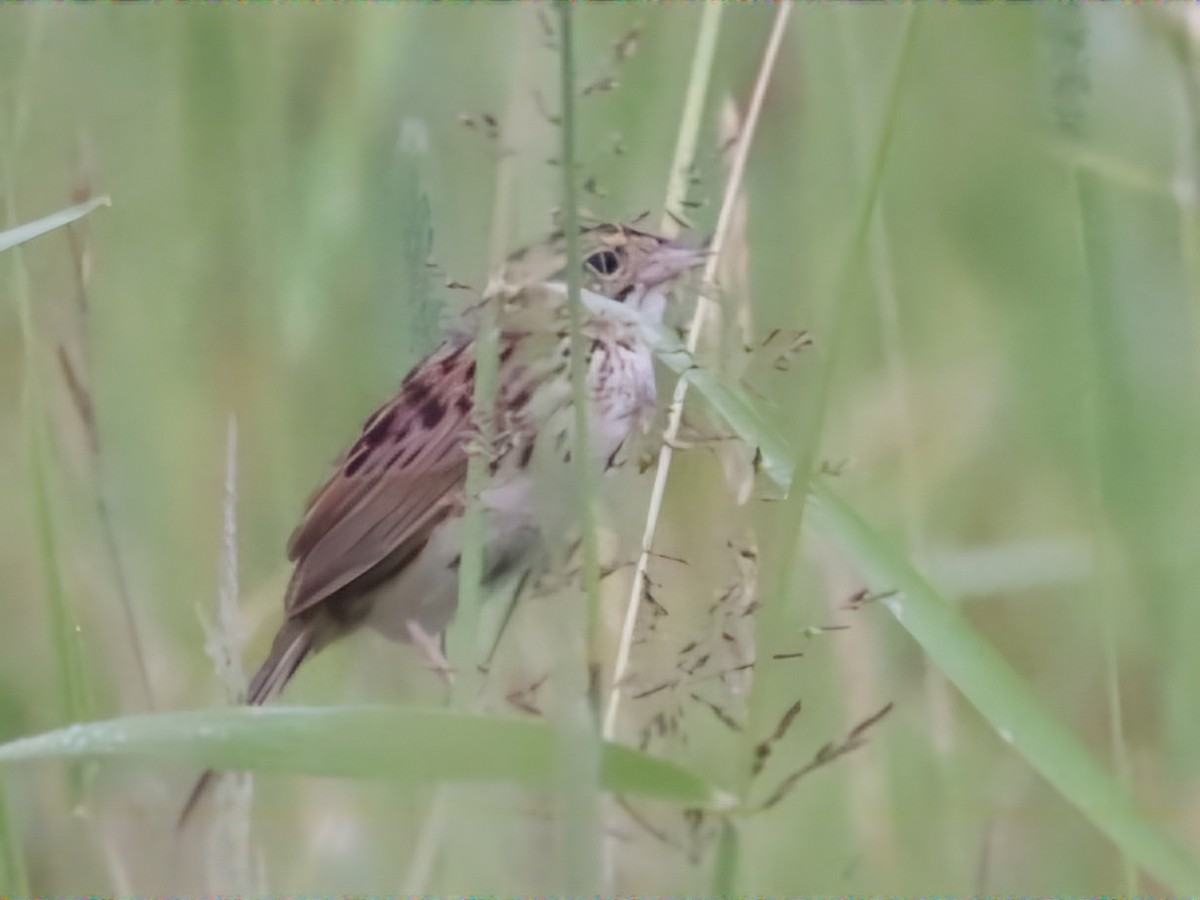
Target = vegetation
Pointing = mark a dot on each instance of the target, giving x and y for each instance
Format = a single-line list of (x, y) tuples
[(953, 377)]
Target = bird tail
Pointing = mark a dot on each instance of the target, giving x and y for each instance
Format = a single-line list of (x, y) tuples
[(295, 642), (293, 645)]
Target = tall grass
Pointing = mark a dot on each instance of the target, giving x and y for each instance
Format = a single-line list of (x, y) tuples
[(1028, 487)]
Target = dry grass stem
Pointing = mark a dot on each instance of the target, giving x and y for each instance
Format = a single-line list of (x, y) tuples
[(732, 187)]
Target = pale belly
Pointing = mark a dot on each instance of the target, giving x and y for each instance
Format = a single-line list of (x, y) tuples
[(623, 397), (524, 500)]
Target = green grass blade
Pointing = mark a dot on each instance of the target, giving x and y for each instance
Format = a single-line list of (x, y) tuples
[(725, 866), (64, 624), (739, 411), (971, 663), (27, 231), (579, 760), (693, 111), (64, 627), (1000, 694), (14, 879), (405, 745)]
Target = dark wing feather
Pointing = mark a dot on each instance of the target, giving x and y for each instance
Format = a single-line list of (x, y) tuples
[(399, 480)]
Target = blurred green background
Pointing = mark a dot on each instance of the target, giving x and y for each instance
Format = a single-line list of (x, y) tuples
[(1008, 382)]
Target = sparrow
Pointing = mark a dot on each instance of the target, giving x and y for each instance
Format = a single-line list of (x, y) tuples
[(379, 543)]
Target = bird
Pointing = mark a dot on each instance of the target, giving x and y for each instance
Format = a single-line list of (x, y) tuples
[(379, 542)]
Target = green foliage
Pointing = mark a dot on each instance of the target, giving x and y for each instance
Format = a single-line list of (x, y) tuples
[(987, 224), (418, 746)]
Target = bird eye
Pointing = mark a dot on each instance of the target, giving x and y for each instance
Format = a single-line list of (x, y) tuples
[(604, 262)]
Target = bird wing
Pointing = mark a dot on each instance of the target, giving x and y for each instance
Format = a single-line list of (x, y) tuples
[(399, 480)]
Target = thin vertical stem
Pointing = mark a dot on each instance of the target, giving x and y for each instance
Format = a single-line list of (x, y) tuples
[(1069, 46), (693, 111), (580, 764), (64, 627), (667, 454), (807, 429), (585, 493), (85, 398), (462, 637)]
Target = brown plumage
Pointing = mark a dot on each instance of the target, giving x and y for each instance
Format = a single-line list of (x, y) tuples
[(379, 540)]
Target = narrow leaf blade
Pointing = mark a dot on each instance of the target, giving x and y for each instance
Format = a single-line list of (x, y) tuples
[(27, 231), (408, 745)]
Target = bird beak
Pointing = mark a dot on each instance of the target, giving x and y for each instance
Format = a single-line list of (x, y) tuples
[(670, 261)]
